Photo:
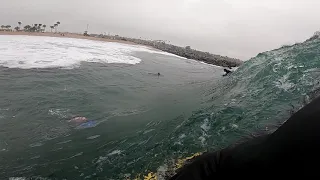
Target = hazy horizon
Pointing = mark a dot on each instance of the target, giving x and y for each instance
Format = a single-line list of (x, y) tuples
[(226, 27)]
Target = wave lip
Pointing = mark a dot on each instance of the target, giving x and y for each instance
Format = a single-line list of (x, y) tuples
[(26, 52)]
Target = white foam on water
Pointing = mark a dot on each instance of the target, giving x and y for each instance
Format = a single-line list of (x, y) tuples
[(161, 172), (147, 131), (35, 157), (182, 136), (178, 143), (62, 113), (284, 83), (202, 140), (27, 52), (76, 155), (93, 137), (37, 144), (115, 152), (235, 126), (57, 149), (101, 159), (64, 142), (180, 139), (2, 111), (205, 126)]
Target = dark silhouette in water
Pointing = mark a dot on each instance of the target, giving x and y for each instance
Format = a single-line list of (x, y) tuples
[(227, 71), (294, 148), (155, 74)]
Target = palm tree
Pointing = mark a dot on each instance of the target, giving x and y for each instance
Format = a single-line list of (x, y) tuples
[(39, 27), (34, 28), (55, 25), (19, 24), (44, 27), (27, 28), (8, 27), (3, 26), (17, 28), (51, 28)]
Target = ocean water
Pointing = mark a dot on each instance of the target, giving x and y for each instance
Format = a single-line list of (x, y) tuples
[(46, 81), (142, 122)]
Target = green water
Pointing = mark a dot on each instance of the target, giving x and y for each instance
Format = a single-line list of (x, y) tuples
[(136, 110), (144, 120)]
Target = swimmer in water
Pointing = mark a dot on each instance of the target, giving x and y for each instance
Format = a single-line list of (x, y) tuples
[(159, 74), (78, 119), (226, 72)]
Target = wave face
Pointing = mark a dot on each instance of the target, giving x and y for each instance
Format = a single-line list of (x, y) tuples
[(27, 52), (254, 100), (259, 96)]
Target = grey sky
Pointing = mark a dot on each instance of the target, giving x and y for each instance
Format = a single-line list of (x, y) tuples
[(236, 28)]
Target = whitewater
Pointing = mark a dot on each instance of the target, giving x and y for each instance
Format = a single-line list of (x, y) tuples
[(51, 52)]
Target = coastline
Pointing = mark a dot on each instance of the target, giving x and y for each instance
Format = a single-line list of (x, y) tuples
[(185, 52), (66, 35)]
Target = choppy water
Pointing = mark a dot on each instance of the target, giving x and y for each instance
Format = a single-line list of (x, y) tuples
[(143, 121)]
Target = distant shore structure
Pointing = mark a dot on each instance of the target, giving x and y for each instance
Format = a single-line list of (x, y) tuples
[(186, 51)]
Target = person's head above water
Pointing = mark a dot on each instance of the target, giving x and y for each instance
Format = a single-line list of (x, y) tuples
[(158, 74), (227, 71)]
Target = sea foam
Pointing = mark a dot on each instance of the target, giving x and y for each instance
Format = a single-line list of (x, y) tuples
[(27, 52)]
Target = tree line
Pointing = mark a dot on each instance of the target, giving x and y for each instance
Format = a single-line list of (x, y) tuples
[(31, 28)]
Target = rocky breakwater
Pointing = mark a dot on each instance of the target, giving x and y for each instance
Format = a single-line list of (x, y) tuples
[(186, 52)]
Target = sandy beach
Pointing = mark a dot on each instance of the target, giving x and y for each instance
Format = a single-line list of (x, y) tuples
[(66, 35)]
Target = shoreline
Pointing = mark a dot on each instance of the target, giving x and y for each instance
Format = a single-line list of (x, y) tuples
[(185, 52), (66, 35)]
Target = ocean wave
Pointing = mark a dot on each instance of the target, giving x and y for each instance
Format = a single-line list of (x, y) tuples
[(28, 52)]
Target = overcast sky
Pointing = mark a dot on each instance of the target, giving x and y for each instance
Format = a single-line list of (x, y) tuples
[(236, 28)]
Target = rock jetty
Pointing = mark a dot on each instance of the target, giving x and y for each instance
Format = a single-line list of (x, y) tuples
[(186, 52)]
